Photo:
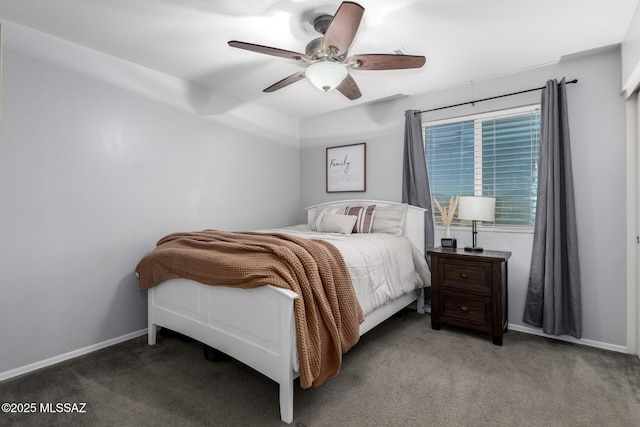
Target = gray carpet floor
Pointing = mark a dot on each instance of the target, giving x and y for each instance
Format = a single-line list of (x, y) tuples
[(402, 373)]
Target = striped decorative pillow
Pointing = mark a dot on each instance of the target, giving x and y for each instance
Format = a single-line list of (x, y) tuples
[(365, 217)]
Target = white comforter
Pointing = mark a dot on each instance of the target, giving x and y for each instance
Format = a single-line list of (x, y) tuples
[(383, 267)]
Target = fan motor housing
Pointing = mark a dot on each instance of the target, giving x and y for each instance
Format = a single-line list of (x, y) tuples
[(322, 22)]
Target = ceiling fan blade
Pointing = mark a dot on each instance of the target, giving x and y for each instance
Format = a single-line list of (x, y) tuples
[(382, 61), (285, 82), (349, 88), (274, 51), (343, 27)]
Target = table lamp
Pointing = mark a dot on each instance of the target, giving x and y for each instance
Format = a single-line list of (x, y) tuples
[(476, 209)]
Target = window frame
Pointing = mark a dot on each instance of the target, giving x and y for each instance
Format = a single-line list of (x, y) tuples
[(477, 118)]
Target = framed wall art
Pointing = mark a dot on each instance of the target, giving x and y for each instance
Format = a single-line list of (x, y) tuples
[(346, 168)]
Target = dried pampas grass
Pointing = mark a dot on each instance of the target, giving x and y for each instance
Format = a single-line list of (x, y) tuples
[(447, 214)]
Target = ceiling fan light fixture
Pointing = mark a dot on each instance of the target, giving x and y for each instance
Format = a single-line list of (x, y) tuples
[(326, 75), (326, 58)]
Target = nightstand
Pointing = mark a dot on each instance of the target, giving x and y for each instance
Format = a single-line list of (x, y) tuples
[(469, 289)]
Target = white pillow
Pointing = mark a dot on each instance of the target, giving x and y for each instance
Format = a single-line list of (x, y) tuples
[(339, 210), (389, 219), (336, 223)]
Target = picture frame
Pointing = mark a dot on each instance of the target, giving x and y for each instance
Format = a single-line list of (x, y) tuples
[(346, 168)]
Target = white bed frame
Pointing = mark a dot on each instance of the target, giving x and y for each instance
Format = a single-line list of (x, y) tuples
[(256, 326)]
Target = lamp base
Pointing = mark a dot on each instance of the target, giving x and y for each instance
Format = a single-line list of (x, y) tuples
[(473, 249)]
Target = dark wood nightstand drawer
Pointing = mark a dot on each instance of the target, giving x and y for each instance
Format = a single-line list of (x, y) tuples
[(461, 309), (464, 275), (470, 289)]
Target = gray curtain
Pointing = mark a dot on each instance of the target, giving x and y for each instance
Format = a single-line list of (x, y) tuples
[(415, 182), (553, 297)]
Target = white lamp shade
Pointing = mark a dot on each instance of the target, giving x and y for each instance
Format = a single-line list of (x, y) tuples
[(476, 208), (326, 75)]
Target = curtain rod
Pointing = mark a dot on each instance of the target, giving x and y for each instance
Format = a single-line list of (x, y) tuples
[(488, 99)]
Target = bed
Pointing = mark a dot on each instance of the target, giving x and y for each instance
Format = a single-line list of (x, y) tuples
[(257, 326)]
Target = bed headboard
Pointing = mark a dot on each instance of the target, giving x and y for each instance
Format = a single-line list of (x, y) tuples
[(413, 224)]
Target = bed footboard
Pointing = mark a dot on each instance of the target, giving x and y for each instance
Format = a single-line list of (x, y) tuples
[(254, 326)]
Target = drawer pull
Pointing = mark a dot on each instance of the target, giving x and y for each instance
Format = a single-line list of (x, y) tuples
[(464, 275), (464, 309)]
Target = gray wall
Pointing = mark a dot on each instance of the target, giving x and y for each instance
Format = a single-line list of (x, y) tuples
[(597, 121), (99, 158)]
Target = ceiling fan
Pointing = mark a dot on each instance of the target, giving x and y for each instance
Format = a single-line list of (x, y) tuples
[(326, 59)]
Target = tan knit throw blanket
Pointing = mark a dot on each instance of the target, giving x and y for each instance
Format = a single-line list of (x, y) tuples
[(327, 313)]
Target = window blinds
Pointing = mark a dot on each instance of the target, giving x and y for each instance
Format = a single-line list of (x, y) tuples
[(493, 155)]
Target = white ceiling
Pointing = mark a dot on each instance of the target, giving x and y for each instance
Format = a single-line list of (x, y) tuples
[(463, 40)]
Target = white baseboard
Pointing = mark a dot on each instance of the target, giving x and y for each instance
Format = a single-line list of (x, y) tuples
[(61, 358), (567, 338)]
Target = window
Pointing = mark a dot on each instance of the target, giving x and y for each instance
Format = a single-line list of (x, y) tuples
[(493, 154)]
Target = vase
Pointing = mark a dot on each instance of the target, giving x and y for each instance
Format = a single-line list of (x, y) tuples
[(447, 232)]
